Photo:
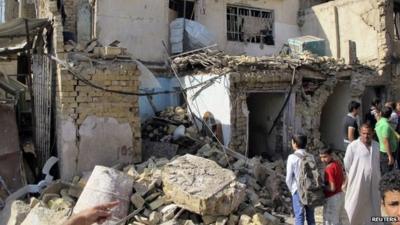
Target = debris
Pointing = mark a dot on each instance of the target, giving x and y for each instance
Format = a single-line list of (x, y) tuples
[(137, 201), (40, 215), (19, 211), (200, 185), (106, 185), (157, 203)]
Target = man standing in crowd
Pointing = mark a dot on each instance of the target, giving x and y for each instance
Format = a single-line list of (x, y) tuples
[(350, 128), (387, 140), (393, 119), (370, 115), (333, 188), (299, 143), (390, 193), (361, 163)]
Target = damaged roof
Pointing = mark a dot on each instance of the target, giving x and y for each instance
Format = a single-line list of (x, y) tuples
[(13, 34), (218, 62)]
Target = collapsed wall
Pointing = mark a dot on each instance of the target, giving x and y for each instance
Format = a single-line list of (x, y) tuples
[(313, 80), (97, 127)]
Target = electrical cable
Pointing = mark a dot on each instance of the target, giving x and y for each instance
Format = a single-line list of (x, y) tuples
[(89, 83)]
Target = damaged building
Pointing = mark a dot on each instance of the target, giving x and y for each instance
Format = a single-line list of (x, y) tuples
[(129, 84)]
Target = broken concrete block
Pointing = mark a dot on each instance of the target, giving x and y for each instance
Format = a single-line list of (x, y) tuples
[(59, 204), (270, 218), (168, 212), (153, 196), (157, 203), (137, 201), (202, 186), (259, 219), (106, 185), (171, 222), (244, 220), (209, 219), (33, 202), (108, 51), (221, 221), (188, 222), (142, 219), (47, 197), (155, 218), (131, 171), (19, 211), (233, 219), (43, 216)]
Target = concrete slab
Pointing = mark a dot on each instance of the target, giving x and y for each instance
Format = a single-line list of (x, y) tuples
[(202, 186), (106, 185)]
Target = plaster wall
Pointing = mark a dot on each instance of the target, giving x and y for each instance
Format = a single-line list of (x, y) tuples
[(340, 21), (332, 116), (212, 14), (215, 99), (140, 26)]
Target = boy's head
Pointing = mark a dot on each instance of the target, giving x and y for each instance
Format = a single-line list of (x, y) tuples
[(299, 141), (386, 112), (325, 155), (354, 107), (376, 102), (389, 187)]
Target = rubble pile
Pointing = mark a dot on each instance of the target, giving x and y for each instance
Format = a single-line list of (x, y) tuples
[(219, 62), (162, 126), (209, 188), (93, 49)]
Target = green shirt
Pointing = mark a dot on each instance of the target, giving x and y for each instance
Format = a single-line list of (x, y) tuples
[(384, 130)]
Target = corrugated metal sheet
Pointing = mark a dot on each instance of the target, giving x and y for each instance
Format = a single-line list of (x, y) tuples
[(42, 94)]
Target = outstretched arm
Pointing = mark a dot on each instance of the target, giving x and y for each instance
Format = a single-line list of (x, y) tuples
[(97, 214)]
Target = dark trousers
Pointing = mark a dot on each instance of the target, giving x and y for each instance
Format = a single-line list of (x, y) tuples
[(384, 163), (398, 158)]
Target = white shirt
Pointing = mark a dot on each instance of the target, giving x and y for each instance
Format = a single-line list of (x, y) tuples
[(393, 120), (293, 170)]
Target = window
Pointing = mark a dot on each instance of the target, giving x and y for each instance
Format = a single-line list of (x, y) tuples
[(396, 17), (250, 25), (2, 10)]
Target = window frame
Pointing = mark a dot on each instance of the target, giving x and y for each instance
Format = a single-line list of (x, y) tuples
[(233, 29)]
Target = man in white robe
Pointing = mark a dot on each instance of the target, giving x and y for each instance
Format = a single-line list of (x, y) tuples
[(362, 200)]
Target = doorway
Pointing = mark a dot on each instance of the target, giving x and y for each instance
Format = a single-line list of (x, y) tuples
[(264, 139)]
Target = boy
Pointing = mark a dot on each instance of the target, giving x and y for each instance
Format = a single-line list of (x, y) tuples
[(334, 178), (299, 143), (389, 187)]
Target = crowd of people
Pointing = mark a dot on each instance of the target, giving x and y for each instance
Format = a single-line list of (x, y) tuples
[(354, 191)]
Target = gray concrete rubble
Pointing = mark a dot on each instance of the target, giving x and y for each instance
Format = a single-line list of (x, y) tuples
[(202, 186), (207, 188), (106, 185)]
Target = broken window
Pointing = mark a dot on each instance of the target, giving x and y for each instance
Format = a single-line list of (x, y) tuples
[(183, 8), (250, 25), (396, 17)]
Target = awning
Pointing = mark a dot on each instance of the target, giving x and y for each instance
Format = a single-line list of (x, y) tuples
[(17, 27), (13, 33)]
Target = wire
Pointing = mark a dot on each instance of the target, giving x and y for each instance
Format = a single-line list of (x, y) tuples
[(89, 83)]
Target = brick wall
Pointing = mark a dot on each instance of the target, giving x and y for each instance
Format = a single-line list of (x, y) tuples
[(105, 126), (70, 7)]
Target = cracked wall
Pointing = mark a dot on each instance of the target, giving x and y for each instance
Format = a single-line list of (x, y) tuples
[(302, 115), (364, 22), (97, 127)]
